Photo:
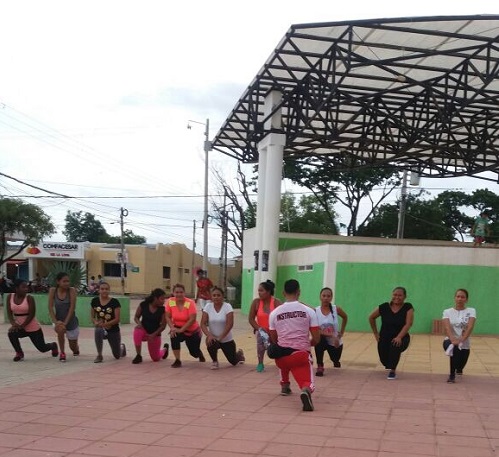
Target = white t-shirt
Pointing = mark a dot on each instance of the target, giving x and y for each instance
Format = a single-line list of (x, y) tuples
[(217, 320), (292, 321), (458, 319), (330, 321)]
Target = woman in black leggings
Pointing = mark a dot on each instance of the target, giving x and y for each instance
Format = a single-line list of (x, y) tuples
[(21, 311), (396, 320)]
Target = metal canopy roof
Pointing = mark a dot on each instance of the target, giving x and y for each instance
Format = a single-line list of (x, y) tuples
[(422, 93)]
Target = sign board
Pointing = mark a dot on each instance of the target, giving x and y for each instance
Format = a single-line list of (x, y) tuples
[(55, 250)]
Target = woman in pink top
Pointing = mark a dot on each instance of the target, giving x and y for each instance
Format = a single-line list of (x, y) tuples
[(260, 310), (21, 314)]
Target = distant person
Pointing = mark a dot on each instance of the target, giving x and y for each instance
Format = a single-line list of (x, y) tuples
[(181, 314), (459, 322), (62, 310), (393, 338), (105, 314), (100, 280), (290, 327), (150, 322), (331, 334), (21, 310), (258, 318), (480, 229), (93, 286), (216, 323), (204, 286)]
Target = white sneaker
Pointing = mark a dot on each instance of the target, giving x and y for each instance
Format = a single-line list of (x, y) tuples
[(214, 365)]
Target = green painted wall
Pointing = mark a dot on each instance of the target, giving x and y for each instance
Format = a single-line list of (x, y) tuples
[(360, 287), (82, 309), (310, 284), (285, 244)]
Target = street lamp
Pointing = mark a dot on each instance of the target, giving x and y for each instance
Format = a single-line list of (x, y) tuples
[(206, 148)]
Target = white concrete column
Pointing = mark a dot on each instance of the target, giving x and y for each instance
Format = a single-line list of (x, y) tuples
[(260, 203), (270, 241), (270, 151)]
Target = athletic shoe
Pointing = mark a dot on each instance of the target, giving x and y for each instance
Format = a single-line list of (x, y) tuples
[(55, 350), (391, 376), (451, 379), (122, 350), (337, 364), (177, 364), (214, 365), (201, 357), (320, 371), (98, 359), (62, 357), (260, 367), (306, 400), (18, 357), (137, 359), (166, 350), (240, 356), (76, 353), (285, 390)]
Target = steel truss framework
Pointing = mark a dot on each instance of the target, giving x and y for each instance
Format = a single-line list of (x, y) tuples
[(421, 93)]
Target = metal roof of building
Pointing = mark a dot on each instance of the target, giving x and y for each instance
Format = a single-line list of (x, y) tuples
[(421, 92)]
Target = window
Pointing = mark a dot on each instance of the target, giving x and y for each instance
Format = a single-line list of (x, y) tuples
[(113, 270), (186, 271), (166, 273), (305, 268)]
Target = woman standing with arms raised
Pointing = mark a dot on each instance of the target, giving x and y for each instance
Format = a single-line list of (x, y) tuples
[(258, 318), (331, 334), (62, 307), (458, 324), (105, 314), (21, 310), (396, 320), (181, 317)]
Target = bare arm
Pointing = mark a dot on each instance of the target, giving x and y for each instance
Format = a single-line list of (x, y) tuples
[(10, 316), (469, 329), (204, 324), (252, 314), (316, 335), (344, 320), (136, 318), (448, 331), (31, 311), (273, 336), (372, 322), (51, 305), (409, 319)]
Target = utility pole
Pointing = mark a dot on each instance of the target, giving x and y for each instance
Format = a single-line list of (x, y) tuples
[(123, 214), (223, 222), (193, 256)]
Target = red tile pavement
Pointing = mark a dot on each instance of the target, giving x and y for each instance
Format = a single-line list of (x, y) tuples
[(82, 409)]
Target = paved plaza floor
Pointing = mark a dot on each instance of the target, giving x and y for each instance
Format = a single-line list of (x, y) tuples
[(77, 409)]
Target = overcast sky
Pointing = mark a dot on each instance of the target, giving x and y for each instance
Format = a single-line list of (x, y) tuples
[(95, 98)]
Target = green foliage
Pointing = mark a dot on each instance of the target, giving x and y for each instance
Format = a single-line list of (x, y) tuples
[(25, 219), (306, 216), (77, 275), (128, 238), (237, 282), (84, 227), (350, 184)]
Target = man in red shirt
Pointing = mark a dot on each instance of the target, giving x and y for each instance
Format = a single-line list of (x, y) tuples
[(204, 286)]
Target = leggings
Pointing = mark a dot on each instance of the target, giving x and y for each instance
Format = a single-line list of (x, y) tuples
[(260, 347), (228, 348), (114, 339), (153, 345), (459, 358), (333, 352), (299, 363), (36, 338), (193, 343), (389, 355)]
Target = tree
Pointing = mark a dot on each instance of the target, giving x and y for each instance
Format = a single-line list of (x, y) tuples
[(306, 216), (128, 238), (351, 185), (451, 203), (423, 220), (84, 227), (28, 220)]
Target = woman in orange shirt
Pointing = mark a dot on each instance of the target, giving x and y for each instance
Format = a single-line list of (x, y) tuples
[(258, 318), (181, 316)]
